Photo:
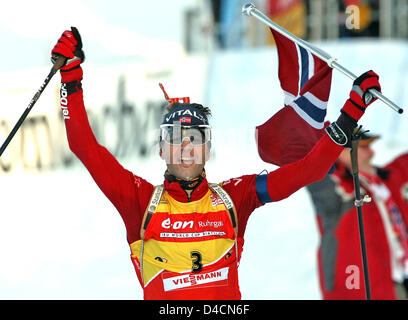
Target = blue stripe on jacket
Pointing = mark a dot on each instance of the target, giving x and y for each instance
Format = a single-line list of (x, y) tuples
[(262, 188)]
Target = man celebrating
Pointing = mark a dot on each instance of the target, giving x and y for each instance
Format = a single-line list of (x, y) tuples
[(186, 236)]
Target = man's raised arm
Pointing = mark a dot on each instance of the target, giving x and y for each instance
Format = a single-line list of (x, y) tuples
[(117, 183)]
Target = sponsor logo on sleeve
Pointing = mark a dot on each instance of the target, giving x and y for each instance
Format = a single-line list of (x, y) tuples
[(64, 101)]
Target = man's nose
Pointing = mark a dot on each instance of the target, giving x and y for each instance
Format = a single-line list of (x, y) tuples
[(186, 143)]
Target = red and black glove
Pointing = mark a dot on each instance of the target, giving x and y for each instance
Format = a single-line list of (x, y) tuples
[(69, 45), (341, 130), (360, 98)]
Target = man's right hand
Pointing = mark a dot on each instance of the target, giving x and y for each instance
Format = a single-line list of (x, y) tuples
[(69, 45)]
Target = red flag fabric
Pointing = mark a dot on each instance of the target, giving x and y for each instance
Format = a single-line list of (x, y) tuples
[(306, 81)]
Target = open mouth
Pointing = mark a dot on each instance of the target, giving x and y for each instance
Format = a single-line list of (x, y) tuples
[(187, 161)]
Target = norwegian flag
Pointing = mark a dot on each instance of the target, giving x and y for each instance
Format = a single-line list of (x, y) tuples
[(306, 80), (185, 119)]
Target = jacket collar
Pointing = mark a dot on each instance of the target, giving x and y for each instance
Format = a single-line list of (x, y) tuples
[(177, 192)]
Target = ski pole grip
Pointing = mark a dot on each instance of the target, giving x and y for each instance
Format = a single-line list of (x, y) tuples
[(59, 63)]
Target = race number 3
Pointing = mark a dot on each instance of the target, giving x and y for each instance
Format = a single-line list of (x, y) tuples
[(196, 257)]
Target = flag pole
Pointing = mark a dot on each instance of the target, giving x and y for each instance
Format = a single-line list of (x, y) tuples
[(250, 10)]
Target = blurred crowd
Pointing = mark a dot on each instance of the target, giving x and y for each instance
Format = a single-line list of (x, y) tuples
[(308, 19)]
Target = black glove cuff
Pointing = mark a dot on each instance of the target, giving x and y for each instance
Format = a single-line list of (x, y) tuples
[(341, 130)]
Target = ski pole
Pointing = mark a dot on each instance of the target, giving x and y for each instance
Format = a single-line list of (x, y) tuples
[(250, 10), (359, 203), (58, 64)]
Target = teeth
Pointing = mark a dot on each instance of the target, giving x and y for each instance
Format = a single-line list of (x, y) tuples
[(187, 161)]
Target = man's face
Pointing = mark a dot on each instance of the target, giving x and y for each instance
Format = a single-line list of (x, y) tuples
[(185, 149), (365, 155), (185, 161)]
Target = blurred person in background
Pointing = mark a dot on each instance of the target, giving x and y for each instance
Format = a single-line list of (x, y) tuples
[(186, 236), (385, 226), (228, 23)]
